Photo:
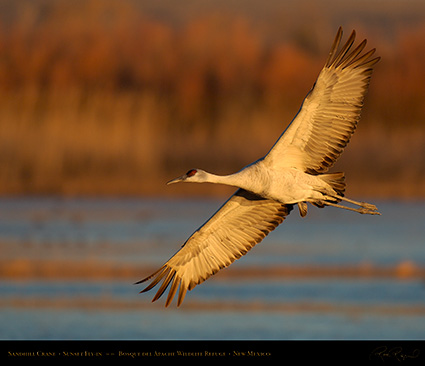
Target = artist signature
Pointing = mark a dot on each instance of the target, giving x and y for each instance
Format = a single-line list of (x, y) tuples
[(395, 353)]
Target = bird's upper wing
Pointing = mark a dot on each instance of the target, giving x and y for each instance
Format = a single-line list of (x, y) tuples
[(241, 223), (328, 117)]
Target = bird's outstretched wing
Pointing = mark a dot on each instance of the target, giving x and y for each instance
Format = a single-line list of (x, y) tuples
[(241, 223), (329, 114)]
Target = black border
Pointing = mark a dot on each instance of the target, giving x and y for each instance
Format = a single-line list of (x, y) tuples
[(287, 352)]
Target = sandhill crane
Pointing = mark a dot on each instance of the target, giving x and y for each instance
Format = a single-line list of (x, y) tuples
[(292, 172)]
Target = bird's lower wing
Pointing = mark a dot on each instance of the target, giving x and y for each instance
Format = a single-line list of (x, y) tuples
[(241, 223)]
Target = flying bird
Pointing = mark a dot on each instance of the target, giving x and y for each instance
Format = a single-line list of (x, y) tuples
[(292, 173)]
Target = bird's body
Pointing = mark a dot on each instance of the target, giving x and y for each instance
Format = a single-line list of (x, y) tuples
[(293, 172), (282, 184)]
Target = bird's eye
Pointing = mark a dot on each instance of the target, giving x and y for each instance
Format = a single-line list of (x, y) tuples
[(191, 172)]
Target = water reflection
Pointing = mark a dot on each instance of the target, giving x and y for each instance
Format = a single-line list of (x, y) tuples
[(69, 266)]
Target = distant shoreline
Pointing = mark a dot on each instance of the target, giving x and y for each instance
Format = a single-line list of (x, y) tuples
[(24, 269)]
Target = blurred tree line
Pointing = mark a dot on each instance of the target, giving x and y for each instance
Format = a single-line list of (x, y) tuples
[(112, 97)]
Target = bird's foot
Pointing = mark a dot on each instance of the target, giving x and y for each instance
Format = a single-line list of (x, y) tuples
[(368, 211), (368, 206)]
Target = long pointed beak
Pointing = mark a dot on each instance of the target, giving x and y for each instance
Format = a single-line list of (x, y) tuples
[(179, 179)]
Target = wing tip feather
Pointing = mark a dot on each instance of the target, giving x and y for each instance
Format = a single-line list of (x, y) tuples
[(341, 58), (334, 47)]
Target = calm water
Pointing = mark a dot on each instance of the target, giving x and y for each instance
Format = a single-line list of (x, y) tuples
[(147, 232)]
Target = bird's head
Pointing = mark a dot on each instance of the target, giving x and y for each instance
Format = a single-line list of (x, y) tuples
[(193, 175)]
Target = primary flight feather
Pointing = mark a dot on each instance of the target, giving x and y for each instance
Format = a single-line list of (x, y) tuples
[(291, 173)]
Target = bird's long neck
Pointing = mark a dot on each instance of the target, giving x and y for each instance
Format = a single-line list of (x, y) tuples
[(240, 179), (230, 180)]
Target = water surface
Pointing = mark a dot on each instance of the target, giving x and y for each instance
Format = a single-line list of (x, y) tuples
[(146, 232)]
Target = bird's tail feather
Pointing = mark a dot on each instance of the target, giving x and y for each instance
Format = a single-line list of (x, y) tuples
[(336, 181)]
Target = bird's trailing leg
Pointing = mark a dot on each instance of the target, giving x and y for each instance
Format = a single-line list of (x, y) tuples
[(302, 207), (364, 207)]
